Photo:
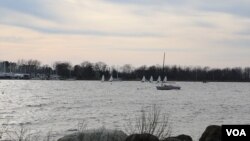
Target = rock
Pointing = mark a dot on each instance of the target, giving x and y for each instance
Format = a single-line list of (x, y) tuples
[(171, 139), (179, 138), (184, 138), (96, 135), (142, 137), (212, 133), (71, 137)]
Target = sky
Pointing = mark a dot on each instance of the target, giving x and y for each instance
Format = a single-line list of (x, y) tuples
[(191, 32)]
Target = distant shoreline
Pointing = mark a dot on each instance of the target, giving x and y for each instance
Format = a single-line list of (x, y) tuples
[(139, 81), (32, 69)]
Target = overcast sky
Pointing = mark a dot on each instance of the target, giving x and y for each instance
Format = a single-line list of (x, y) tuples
[(213, 33)]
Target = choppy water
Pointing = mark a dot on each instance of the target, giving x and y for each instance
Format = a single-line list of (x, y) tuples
[(60, 105)]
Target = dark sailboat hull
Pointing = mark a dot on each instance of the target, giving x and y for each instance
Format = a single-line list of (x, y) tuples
[(168, 87)]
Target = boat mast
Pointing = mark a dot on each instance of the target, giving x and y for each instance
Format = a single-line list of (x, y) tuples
[(163, 67), (163, 63), (4, 67)]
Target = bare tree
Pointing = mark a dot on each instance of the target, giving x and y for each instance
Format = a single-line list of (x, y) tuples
[(152, 122), (20, 134), (127, 68)]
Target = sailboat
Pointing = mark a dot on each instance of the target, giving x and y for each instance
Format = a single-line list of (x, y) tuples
[(111, 78), (165, 79), (166, 86), (151, 79), (103, 78), (143, 79), (159, 79)]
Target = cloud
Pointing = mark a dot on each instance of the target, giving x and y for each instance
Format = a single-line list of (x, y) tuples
[(239, 7), (151, 2), (107, 29), (36, 8), (111, 18), (11, 39), (75, 17)]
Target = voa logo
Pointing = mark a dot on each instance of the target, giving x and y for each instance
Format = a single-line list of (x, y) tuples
[(236, 132)]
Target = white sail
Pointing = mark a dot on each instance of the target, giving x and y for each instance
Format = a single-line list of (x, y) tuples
[(103, 78), (143, 79), (165, 79), (111, 78), (159, 79), (151, 79)]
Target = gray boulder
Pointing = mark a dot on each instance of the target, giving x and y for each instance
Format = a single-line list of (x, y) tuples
[(96, 135), (179, 138), (142, 137), (184, 137), (171, 139), (212, 133)]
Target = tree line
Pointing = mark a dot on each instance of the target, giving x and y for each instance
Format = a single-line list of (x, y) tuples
[(94, 71)]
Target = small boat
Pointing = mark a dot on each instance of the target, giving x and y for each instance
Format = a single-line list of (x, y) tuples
[(168, 87), (111, 78), (103, 78), (159, 79), (151, 79), (143, 79), (164, 86), (165, 79)]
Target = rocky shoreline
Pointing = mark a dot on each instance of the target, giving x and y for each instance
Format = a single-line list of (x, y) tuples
[(211, 133)]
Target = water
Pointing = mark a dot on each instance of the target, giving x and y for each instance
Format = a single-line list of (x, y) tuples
[(60, 105)]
